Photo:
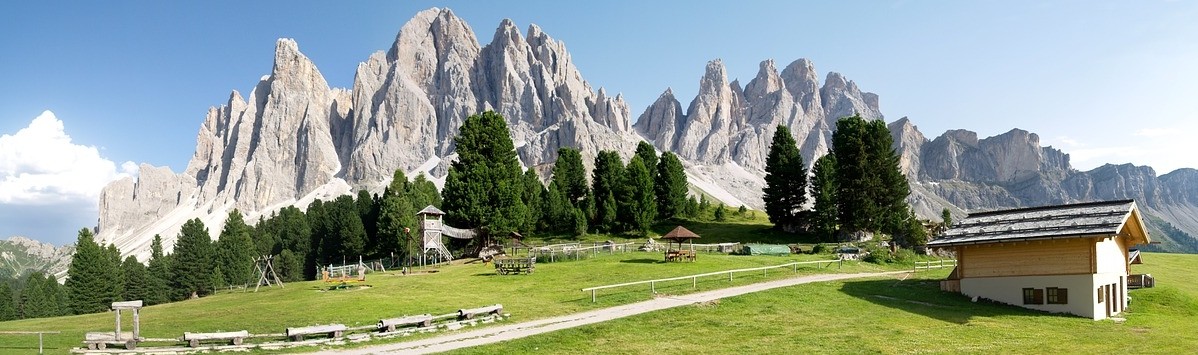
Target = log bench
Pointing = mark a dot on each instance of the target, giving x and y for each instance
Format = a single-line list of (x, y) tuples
[(235, 338), (389, 325), (101, 340), (333, 331), (472, 312), (505, 266)]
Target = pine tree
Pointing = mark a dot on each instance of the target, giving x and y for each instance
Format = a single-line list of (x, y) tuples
[(8, 308), (368, 213), (871, 191), (235, 250), (318, 222), (265, 235), (483, 187), (580, 222), (194, 261), (719, 213), (570, 175), (347, 236), (648, 155), (92, 276), (692, 207), (556, 206), (159, 274), (823, 191), (785, 190), (638, 201), (671, 187), (946, 217), (39, 299), (137, 280), (289, 266), (606, 180), (533, 190), (424, 192), (295, 235), (397, 213)]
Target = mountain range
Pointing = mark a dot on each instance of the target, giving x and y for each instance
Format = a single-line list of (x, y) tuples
[(293, 139)]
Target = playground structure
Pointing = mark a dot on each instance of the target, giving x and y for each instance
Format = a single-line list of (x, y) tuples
[(432, 231), (264, 265), (342, 273)]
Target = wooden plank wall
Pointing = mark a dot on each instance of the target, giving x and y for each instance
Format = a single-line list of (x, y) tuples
[(1049, 257)]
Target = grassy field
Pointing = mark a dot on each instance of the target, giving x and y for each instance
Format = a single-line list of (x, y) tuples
[(554, 289), (889, 315)]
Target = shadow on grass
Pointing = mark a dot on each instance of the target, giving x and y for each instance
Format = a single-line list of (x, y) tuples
[(643, 261), (923, 297), (486, 274)]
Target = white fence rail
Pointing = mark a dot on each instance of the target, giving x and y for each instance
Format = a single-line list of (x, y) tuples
[(695, 278), (936, 264)]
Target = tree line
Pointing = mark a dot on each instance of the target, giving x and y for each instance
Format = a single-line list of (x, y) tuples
[(855, 189), (486, 188)]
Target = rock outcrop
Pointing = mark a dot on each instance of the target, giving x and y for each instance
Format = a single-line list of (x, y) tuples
[(294, 139)]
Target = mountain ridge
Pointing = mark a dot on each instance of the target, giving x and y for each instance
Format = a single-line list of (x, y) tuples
[(294, 139)]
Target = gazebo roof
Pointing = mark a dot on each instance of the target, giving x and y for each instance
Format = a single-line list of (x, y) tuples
[(430, 210), (680, 233)]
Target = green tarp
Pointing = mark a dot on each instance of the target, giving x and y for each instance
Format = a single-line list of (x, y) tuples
[(765, 249)]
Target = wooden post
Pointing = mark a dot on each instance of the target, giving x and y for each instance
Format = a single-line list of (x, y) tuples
[(729, 276), (136, 324), (592, 296), (118, 324), (39, 343), (695, 282), (653, 286)]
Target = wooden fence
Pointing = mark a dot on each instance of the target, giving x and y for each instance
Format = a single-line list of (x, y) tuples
[(935, 264), (695, 278), (38, 333)]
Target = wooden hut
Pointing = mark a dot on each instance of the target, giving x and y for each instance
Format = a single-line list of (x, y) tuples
[(680, 235), (1069, 258)]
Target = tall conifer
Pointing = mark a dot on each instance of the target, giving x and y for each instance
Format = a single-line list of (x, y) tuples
[(483, 187), (785, 190), (93, 281)]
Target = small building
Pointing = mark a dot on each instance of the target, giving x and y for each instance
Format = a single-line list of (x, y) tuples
[(1064, 259)]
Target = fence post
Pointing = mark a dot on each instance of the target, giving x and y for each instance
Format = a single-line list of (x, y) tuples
[(592, 296), (653, 286), (695, 282), (39, 343), (729, 276), (796, 265)]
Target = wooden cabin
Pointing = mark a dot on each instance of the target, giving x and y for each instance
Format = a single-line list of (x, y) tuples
[(1064, 259)]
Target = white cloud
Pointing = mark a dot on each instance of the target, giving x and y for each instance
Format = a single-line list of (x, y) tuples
[(39, 165)]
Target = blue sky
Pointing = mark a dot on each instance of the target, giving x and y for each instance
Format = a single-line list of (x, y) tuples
[(1105, 81)]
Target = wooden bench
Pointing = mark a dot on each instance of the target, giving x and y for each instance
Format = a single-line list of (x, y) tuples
[(101, 340), (472, 312), (235, 338), (505, 266), (389, 325), (333, 331)]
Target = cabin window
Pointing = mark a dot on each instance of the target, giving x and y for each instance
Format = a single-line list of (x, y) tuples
[(1057, 295), (1033, 296), (1100, 294)]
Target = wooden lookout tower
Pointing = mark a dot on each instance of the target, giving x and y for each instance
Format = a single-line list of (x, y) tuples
[(431, 227)]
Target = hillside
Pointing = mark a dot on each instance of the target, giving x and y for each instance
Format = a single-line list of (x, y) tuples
[(889, 315), (883, 315), (20, 256)]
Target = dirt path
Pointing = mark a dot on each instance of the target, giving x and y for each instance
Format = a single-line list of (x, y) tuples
[(491, 335)]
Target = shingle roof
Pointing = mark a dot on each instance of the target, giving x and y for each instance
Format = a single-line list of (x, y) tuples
[(1049, 222), (430, 210)]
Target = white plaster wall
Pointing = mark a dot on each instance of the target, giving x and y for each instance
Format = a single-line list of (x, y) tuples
[(1110, 257), (1082, 299)]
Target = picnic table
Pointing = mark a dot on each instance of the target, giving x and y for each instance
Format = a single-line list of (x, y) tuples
[(505, 266), (680, 255)]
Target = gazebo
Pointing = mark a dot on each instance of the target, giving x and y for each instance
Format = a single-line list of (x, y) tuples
[(680, 235)]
